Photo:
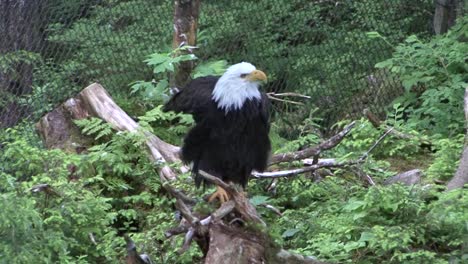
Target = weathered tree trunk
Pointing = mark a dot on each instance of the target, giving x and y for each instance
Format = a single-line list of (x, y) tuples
[(21, 29), (58, 130), (238, 246), (446, 11), (186, 14), (461, 176)]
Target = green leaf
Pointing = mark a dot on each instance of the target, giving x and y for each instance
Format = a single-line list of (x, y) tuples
[(373, 34), (384, 64), (157, 58), (290, 232), (354, 204), (367, 236), (258, 199)]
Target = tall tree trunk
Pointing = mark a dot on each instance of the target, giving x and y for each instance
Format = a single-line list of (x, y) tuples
[(186, 13), (446, 11), (461, 176)]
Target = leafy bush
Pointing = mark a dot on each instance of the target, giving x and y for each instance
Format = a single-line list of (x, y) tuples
[(336, 221), (434, 74)]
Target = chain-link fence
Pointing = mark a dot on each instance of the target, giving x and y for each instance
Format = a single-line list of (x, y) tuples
[(49, 50)]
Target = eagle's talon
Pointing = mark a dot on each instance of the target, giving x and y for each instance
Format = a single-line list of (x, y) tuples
[(220, 194)]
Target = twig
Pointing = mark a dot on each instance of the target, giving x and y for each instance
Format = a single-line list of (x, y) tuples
[(289, 94), (187, 240), (289, 173), (274, 209), (91, 237), (359, 172), (176, 231), (217, 181), (284, 100), (365, 155), (312, 151), (178, 194), (185, 211)]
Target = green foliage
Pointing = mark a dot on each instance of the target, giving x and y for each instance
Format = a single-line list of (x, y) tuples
[(365, 135), (349, 224), (320, 49), (165, 64), (51, 226), (96, 196), (446, 158), (434, 75)]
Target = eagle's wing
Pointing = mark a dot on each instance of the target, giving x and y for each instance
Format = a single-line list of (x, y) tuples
[(265, 111), (194, 98)]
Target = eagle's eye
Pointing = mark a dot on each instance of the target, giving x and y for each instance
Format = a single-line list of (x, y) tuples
[(243, 75)]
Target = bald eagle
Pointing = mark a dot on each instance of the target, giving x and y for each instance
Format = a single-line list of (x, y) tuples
[(230, 136)]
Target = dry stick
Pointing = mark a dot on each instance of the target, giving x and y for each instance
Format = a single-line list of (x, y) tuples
[(274, 96), (242, 204), (289, 173), (222, 211), (217, 181), (313, 151), (176, 231), (326, 163), (366, 154), (289, 94), (187, 240), (284, 100)]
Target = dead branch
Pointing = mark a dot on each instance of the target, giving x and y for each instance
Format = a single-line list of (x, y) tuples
[(288, 95), (294, 172), (284, 100), (58, 130), (275, 97), (313, 151), (366, 154), (242, 204), (132, 255), (323, 163)]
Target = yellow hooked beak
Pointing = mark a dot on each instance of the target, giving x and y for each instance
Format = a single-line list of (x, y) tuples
[(257, 76)]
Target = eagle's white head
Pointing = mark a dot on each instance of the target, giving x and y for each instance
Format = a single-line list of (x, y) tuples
[(239, 83)]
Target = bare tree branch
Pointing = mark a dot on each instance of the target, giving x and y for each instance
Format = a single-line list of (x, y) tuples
[(294, 172), (288, 95), (313, 151), (365, 155)]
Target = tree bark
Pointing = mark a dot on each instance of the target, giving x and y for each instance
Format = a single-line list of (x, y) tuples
[(461, 175), (58, 130), (238, 246), (446, 12), (186, 13)]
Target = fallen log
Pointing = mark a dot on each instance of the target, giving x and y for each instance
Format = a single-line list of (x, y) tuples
[(58, 130)]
